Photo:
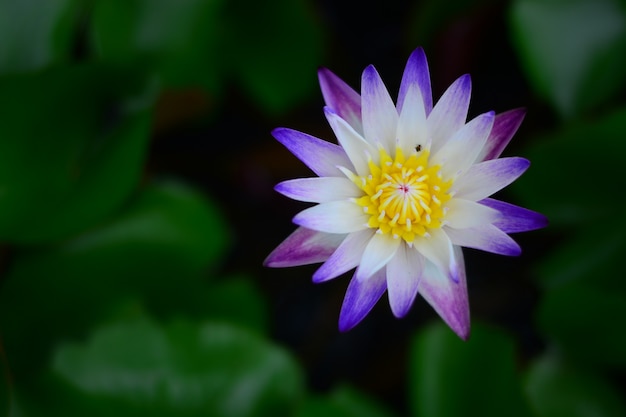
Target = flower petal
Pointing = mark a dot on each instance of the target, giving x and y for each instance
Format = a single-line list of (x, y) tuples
[(412, 129), (460, 152), (321, 156), (485, 237), (416, 74), (504, 127), (347, 256), (450, 112), (437, 248), (380, 117), (361, 296), (340, 97), (515, 219), (335, 217), (353, 144), (483, 179), (378, 252), (466, 213), (319, 190), (448, 298), (404, 271), (303, 247)]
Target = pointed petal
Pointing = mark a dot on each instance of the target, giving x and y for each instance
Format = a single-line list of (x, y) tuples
[(485, 237), (412, 129), (403, 275), (515, 219), (447, 297), (504, 127), (416, 74), (347, 256), (485, 178), (437, 248), (321, 156), (450, 112), (466, 213), (340, 97), (378, 252), (303, 247), (352, 143), (319, 190), (460, 152), (361, 296), (335, 217), (380, 117)]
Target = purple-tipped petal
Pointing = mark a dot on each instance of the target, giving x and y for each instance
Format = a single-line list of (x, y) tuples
[(360, 298), (466, 213), (485, 237), (450, 112), (378, 252), (458, 154), (416, 73), (321, 156), (483, 179), (504, 127), (347, 256), (303, 247), (352, 142), (403, 275), (380, 117), (447, 297), (319, 190), (335, 217), (412, 128), (340, 97), (514, 219)]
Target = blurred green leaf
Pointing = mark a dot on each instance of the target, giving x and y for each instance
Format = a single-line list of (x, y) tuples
[(576, 175), (5, 384), (556, 389), (72, 145), (182, 369), (35, 34), (156, 250), (343, 401), (179, 38), (274, 49), (450, 377), (573, 51), (585, 323)]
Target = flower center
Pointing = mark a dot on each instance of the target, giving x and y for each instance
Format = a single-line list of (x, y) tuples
[(404, 196)]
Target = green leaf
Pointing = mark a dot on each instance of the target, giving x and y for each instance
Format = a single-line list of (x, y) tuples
[(557, 389), (35, 34), (573, 51), (584, 322), (139, 367), (5, 384), (274, 50), (450, 377), (158, 250), (179, 39), (576, 174), (72, 145), (343, 401)]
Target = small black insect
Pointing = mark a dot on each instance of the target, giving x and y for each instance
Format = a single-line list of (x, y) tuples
[(418, 148)]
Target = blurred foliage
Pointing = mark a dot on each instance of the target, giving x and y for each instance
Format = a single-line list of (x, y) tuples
[(114, 298)]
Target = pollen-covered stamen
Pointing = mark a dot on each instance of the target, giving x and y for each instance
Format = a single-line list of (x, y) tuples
[(404, 196)]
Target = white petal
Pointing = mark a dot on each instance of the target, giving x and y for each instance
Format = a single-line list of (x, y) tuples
[(380, 249), (437, 248), (380, 117), (485, 237), (404, 271), (347, 256), (319, 190), (460, 152), (334, 217), (303, 247), (352, 143), (412, 129), (484, 179), (463, 213), (450, 112)]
